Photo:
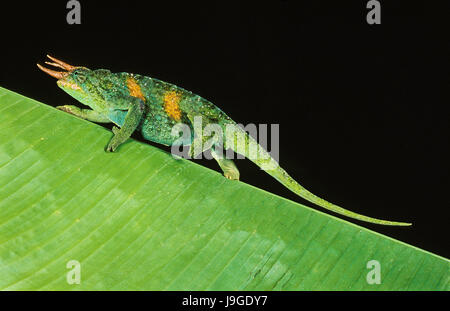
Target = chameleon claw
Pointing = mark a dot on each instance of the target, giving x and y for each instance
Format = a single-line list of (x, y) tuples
[(110, 148), (64, 108), (231, 175), (113, 144)]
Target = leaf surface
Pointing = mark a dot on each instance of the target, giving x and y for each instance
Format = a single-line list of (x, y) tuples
[(138, 219)]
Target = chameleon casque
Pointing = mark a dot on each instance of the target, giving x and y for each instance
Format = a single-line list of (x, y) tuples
[(138, 103)]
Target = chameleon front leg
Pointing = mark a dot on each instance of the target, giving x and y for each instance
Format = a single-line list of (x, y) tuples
[(86, 114), (228, 167), (132, 120)]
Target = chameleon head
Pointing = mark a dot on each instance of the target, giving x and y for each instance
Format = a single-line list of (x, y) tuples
[(73, 80)]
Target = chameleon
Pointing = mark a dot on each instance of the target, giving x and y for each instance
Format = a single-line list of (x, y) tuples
[(134, 102)]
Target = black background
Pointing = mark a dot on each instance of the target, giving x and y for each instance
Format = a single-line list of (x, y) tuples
[(363, 109)]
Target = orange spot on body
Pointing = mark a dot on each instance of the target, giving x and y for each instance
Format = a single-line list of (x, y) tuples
[(171, 107), (134, 88)]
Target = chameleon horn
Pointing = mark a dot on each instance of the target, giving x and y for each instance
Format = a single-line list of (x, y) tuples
[(54, 65), (61, 64), (56, 74)]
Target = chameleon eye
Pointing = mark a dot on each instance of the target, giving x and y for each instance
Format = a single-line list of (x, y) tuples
[(80, 77)]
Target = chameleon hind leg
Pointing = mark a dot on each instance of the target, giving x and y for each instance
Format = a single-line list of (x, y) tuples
[(201, 143), (228, 167)]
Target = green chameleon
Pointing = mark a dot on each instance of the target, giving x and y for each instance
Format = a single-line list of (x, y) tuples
[(153, 107)]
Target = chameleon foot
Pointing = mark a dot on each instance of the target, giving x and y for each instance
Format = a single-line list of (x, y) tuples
[(69, 109), (232, 175), (228, 167)]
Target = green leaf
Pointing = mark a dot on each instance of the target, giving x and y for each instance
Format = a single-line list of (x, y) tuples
[(138, 219)]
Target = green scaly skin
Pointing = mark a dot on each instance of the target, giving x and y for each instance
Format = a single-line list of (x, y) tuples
[(112, 100)]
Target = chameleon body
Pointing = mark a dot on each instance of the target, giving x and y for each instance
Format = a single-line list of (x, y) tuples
[(139, 103)]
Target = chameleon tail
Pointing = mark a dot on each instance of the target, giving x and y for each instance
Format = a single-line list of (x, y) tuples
[(283, 177), (255, 153)]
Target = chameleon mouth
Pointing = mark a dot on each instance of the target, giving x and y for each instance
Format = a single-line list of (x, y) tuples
[(73, 86), (59, 64)]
